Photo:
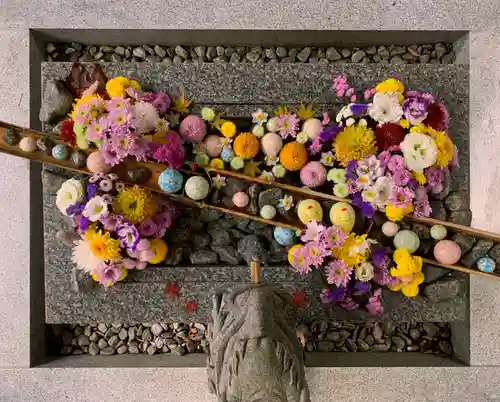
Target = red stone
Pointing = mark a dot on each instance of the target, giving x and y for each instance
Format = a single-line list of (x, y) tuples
[(191, 306), (299, 299), (172, 290)]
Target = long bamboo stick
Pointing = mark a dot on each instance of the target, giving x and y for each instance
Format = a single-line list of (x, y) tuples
[(156, 169)]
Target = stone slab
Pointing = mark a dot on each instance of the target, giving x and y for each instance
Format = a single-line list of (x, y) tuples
[(141, 297)]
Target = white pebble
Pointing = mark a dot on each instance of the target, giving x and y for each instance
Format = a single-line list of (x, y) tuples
[(28, 144), (438, 232), (390, 229)]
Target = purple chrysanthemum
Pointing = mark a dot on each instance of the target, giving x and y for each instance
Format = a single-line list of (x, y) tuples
[(148, 228)]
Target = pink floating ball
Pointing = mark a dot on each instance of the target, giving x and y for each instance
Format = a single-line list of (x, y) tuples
[(271, 144), (447, 252), (193, 128), (313, 174), (241, 199), (96, 164), (213, 145)]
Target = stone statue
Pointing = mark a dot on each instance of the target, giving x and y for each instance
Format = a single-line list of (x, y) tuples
[(255, 355)]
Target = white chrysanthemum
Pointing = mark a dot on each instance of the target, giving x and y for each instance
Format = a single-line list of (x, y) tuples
[(96, 209), (84, 259), (419, 151), (364, 272), (144, 117), (70, 193), (383, 188), (385, 108)]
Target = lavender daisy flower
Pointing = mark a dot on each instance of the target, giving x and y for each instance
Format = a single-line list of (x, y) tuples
[(129, 235), (288, 125), (106, 185)]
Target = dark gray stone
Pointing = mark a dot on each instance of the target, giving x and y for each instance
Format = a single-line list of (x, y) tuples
[(108, 351), (252, 57), (175, 255), (495, 253), (438, 210), (443, 289), (209, 215), (480, 249), (325, 346), (228, 254), (204, 257), (383, 52), (233, 186), (201, 239), (332, 54), (422, 231), (398, 51), (357, 56), (445, 347), (220, 236), (304, 54), (456, 202), (270, 53), (465, 242), (431, 272), (463, 218), (56, 102), (139, 52), (250, 247), (78, 159), (270, 197), (181, 52), (398, 343), (397, 60)]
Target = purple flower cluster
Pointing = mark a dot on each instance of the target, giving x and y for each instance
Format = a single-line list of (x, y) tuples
[(416, 105)]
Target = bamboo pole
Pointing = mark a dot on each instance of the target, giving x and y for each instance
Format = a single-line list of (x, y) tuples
[(156, 169)]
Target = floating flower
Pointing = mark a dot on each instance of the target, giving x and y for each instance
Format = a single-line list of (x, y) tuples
[(340, 85), (314, 232), (390, 85), (369, 166), (341, 190), (336, 175), (208, 114), (416, 105), (191, 306), (279, 171), (288, 125), (259, 117), (329, 296), (315, 146), (117, 86), (334, 237), (103, 246), (128, 235), (437, 117), (354, 143), (401, 196), (385, 108), (70, 193), (299, 299), (258, 131), (353, 251), (338, 273), (298, 260), (266, 175), (219, 181), (119, 117), (135, 204), (286, 202), (327, 159), (364, 272), (110, 274), (434, 176), (228, 129), (419, 151), (161, 126), (315, 253), (226, 142), (172, 290), (271, 160), (84, 259), (246, 146), (95, 130), (96, 208), (118, 102)]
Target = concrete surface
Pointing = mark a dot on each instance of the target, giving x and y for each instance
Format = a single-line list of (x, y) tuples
[(481, 383)]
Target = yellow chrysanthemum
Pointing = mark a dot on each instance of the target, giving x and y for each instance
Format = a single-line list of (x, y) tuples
[(354, 251), (404, 123), (354, 143), (420, 178), (117, 86), (419, 128), (409, 287), (135, 204), (390, 85), (409, 270), (396, 214), (228, 129), (103, 246), (444, 146)]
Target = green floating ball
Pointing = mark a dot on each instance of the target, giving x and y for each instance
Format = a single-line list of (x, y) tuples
[(407, 239)]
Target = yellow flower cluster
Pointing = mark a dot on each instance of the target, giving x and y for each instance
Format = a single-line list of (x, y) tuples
[(354, 251), (102, 245), (135, 204), (409, 272), (390, 85), (354, 143), (117, 86), (396, 214)]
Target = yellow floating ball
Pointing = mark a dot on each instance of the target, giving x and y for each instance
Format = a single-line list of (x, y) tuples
[(291, 251), (343, 216), (309, 210), (160, 249)]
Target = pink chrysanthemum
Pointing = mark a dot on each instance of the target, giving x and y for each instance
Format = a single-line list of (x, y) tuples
[(316, 146), (315, 253), (288, 125), (314, 232), (118, 102), (334, 237), (119, 117), (338, 273), (396, 163), (422, 209), (299, 261), (401, 177), (401, 196)]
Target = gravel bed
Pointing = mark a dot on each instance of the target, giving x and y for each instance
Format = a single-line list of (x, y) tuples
[(180, 339), (439, 53)]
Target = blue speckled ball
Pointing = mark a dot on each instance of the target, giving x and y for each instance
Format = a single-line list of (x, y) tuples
[(227, 154), (284, 237), (60, 152), (486, 264), (170, 181)]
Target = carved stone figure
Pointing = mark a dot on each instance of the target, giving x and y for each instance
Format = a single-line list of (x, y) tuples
[(255, 355)]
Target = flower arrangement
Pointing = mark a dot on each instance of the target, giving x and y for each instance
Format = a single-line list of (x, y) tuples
[(120, 227), (125, 122), (355, 268)]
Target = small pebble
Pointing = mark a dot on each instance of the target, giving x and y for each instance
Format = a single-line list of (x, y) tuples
[(28, 144)]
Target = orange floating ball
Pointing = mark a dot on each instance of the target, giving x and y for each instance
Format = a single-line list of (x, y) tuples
[(246, 146), (293, 156)]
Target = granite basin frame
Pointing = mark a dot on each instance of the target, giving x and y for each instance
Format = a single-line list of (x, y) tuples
[(342, 38)]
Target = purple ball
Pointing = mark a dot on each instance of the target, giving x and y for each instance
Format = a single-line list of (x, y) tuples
[(193, 128)]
